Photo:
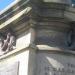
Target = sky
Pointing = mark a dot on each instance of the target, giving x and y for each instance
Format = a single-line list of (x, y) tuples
[(4, 3)]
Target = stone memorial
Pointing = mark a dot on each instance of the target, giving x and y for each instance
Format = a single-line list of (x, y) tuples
[(55, 64), (40, 35)]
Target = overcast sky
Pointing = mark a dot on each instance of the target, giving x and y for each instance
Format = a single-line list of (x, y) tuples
[(4, 3)]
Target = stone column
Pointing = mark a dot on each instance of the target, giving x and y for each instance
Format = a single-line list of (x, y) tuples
[(54, 56)]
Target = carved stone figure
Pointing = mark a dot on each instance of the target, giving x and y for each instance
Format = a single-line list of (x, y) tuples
[(9, 43), (1, 43)]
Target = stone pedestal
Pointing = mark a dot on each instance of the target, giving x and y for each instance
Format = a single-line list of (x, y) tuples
[(55, 63), (45, 39)]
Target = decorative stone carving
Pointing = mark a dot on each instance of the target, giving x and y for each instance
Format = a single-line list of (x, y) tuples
[(8, 43), (70, 36), (63, 40)]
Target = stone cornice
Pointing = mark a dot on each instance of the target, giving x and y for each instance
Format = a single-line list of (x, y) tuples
[(15, 18), (13, 53), (70, 13), (23, 10), (9, 7), (67, 2), (15, 9)]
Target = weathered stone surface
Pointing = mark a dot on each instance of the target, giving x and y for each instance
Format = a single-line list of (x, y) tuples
[(59, 1), (51, 13), (55, 64), (10, 69)]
